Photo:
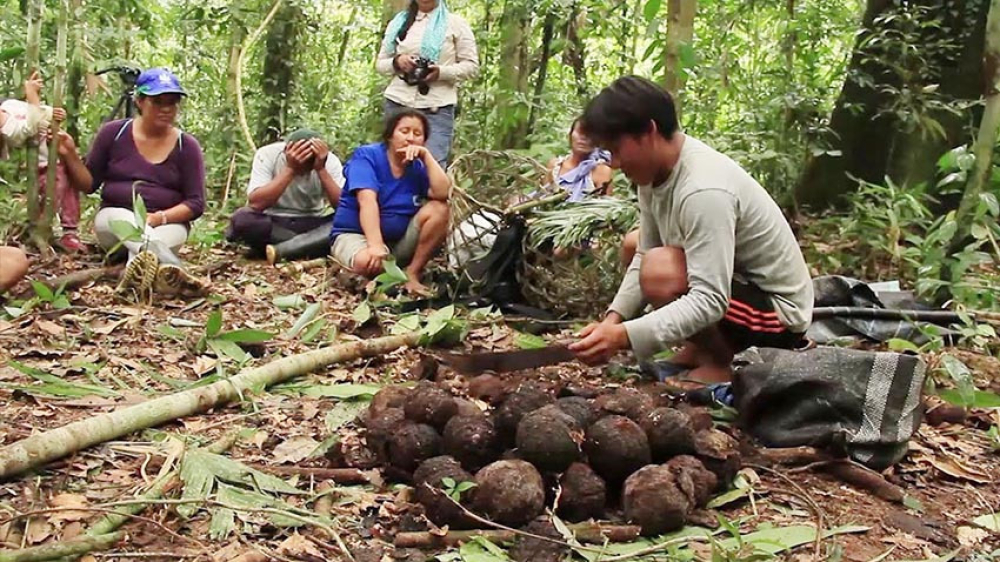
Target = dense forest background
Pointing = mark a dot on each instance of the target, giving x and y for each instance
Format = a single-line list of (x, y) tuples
[(879, 99)]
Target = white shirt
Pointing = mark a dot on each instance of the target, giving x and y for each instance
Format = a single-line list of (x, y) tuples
[(23, 122), (305, 195), (459, 61)]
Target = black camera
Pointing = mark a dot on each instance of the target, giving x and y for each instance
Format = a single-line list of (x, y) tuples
[(418, 76), (127, 74)]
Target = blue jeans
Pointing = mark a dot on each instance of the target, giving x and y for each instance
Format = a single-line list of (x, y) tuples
[(442, 124)]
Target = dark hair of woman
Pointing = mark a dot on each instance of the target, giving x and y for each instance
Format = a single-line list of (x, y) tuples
[(411, 16), (393, 120)]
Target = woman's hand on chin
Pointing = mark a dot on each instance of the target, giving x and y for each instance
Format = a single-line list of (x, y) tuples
[(412, 152)]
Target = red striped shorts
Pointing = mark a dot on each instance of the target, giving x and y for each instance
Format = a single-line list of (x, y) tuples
[(751, 320)]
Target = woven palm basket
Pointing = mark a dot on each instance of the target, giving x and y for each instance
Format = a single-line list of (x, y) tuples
[(580, 279), (485, 183)]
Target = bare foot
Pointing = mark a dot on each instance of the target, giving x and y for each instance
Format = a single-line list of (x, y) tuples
[(417, 288), (711, 374)]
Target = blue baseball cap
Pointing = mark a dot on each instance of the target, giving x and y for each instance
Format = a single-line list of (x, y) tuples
[(156, 81)]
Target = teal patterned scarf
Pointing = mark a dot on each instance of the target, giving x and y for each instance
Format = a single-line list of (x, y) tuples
[(433, 40)]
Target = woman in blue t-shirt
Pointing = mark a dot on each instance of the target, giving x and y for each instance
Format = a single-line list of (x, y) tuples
[(394, 202)]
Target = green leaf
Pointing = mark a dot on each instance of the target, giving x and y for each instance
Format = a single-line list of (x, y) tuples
[(961, 376), (728, 498), (391, 277), (913, 503), (286, 302), (42, 291), (138, 206), (991, 521), (60, 302), (406, 324), (304, 320), (529, 341), (990, 200), (11, 53), (245, 335), (362, 313), (170, 332), (124, 230), (978, 398), (225, 348), (214, 323), (448, 482), (313, 330), (343, 413), (899, 345), (651, 9), (345, 391), (465, 486)]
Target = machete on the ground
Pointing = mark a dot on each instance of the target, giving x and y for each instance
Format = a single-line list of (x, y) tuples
[(507, 361)]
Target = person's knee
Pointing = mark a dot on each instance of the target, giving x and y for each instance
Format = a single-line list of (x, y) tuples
[(435, 213), (663, 275), (13, 267)]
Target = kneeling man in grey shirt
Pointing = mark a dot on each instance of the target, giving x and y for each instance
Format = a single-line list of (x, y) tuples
[(716, 259)]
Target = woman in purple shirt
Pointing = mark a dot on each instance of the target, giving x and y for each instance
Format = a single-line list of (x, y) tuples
[(150, 156)]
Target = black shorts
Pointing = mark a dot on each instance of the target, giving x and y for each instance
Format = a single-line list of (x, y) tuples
[(751, 321)]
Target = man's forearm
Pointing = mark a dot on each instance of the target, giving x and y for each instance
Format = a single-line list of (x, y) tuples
[(330, 186), (268, 194)]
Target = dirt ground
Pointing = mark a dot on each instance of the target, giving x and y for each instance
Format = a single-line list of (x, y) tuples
[(137, 353)]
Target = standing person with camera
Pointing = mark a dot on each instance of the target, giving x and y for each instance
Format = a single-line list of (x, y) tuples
[(150, 157), (428, 50)]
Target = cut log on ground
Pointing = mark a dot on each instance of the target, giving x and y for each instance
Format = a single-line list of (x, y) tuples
[(57, 443)]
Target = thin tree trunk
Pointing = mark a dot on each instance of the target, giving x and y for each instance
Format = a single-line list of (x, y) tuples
[(986, 140), (576, 52), (75, 76), (680, 32), (634, 40), (56, 443), (345, 39), (512, 83), (32, 59), (237, 35), (240, 106), (43, 230), (548, 30)]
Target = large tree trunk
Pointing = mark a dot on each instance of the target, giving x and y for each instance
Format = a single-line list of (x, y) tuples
[(277, 81), (548, 29), (680, 32), (866, 140), (512, 83)]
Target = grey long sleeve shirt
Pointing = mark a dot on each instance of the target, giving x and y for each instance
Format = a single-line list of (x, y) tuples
[(727, 225)]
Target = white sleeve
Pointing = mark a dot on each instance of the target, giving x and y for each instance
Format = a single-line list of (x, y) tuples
[(335, 169), (263, 171)]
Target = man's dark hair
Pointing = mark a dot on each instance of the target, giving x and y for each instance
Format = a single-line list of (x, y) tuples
[(395, 118), (626, 107)]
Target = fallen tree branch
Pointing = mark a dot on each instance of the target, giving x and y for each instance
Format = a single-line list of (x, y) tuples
[(866, 479), (50, 445), (338, 475), (76, 279), (584, 532), (73, 547)]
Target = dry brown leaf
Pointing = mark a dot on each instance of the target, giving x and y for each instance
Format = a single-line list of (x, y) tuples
[(295, 449), (956, 469), (105, 328), (174, 357), (309, 409), (250, 291), (50, 328), (71, 530), (203, 364), (969, 537), (259, 438), (88, 558), (38, 531), (66, 501), (300, 547)]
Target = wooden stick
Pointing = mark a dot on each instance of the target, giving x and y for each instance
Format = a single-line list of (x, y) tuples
[(240, 63), (866, 479), (585, 532), (48, 446), (77, 279), (338, 475)]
